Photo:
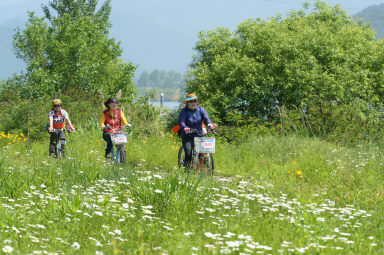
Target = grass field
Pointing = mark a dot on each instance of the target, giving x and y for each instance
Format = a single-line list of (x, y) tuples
[(269, 195)]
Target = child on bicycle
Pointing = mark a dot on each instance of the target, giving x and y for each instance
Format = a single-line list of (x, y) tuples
[(192, 116), (57, 117), (112, 120)]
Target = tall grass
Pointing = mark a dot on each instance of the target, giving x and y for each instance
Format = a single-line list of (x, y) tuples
[(269, 194)]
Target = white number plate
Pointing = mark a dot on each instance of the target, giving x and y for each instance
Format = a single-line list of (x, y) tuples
[(205, 145), (119, 139)]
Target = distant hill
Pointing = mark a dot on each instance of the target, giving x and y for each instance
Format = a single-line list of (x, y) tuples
[(375, 16)]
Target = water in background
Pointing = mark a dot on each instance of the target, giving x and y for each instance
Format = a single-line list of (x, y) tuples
[(172, 105)]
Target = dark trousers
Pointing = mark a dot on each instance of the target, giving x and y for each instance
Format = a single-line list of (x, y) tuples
[(54, 135), (188, 144), (107, 138)]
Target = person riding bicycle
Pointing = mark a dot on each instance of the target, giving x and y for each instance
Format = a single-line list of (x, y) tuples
[(192, 116), (57, 117), (111, 121)]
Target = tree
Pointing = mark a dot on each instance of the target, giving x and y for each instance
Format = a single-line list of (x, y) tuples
[(143, 79), (154, 77), (311, 53), (70, 48)]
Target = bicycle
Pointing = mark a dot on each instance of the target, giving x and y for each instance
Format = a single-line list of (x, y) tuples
[(119, 139), (202, 153), (60, 142)]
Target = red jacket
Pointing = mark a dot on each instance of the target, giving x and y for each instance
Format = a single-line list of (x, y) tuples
[(114, 121)]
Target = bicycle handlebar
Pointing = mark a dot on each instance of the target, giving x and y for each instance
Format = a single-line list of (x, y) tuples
[(195, 131), (64, 129), (122, 127)]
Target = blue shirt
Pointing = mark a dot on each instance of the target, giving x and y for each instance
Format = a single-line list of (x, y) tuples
[(193, 119)]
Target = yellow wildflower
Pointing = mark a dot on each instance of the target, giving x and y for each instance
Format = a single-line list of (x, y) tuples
[(298, 172), (294, 162), (22, 135)]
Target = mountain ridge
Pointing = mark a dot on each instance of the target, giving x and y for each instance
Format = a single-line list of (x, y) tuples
[(373, 15)]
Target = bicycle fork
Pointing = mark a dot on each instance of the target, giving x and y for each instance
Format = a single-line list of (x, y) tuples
[(115, 154)]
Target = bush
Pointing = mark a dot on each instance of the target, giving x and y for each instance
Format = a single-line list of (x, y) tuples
[(344, 123)]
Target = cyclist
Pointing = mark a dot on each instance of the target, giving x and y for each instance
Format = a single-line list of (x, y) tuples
[(115, 119), (192, 116), (57, 117)]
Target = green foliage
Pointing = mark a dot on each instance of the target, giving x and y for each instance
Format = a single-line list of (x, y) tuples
[(350, 123), (70, 48), (321, 52), (143, 116)]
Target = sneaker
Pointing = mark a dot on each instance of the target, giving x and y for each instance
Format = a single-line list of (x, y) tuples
[(108, 155)]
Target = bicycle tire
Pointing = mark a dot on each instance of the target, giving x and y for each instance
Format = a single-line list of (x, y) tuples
[(205, 163), (57, 148), (62, 149), (212, 163), (122, 154), (180, 157)]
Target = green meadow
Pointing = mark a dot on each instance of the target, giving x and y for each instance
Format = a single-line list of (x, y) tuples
[(268, 195)]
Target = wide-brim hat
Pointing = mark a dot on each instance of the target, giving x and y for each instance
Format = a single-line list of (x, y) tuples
[(190, 97)]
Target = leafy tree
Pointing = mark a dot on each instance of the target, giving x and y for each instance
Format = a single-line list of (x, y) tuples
[(154, 77), (70, 48), (143, 79), (313, 53)]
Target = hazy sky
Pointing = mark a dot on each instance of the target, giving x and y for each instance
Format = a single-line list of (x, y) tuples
[(161, 33)]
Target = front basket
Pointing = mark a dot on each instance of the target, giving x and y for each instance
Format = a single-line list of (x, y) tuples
[(205, 144)]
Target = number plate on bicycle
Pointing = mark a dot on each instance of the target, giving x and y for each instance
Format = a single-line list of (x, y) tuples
[(119, 138), (204, 145)]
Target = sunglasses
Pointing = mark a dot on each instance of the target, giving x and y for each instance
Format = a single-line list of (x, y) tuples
[(192, 101), (58, 105)]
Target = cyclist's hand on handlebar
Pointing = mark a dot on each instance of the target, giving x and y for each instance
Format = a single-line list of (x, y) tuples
[(50, 129), (128, 126), (211, 127), (106, 126), (187, 129)]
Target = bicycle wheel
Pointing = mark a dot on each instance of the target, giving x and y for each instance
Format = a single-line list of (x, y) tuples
[(212, 168), (122, 154), (62, 150), (57, 149), (181, 157), (206, 163)]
